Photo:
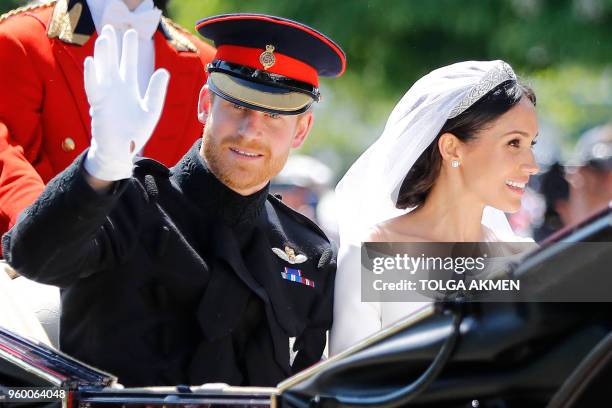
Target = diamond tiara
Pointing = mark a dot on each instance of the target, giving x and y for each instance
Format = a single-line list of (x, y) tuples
[(499, 74)]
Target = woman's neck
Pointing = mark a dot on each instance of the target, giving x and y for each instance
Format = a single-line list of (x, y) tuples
[(450, 214)]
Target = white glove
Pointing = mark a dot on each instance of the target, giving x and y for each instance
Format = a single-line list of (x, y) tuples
[(121, 121)]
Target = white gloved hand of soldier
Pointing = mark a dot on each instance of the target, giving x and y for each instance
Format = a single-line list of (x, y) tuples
[(121, 120)]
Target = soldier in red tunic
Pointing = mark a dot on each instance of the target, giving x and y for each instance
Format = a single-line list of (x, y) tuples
[(44, 118)]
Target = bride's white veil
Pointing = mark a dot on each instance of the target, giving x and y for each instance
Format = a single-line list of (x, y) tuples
[(368, 192)]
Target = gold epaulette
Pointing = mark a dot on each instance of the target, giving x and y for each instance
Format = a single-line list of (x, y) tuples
[(25, 9), (178, 39), (64, 22)]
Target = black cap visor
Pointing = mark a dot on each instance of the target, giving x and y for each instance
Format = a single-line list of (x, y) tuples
[(260, 90), (258, 96)]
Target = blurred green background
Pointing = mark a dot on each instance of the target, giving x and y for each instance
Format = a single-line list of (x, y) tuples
[(563, 48)]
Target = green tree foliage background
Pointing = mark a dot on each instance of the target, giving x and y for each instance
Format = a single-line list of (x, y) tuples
[(563, 48), (6, 5)]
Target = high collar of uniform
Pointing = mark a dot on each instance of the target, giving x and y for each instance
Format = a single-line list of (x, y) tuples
[(72, 22), (144, 19), (198, 183)]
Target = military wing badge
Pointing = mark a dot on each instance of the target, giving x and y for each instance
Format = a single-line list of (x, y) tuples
[(288, 255)]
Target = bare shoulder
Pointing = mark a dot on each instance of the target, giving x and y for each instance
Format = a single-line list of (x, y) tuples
[(394, 230), (375, 234)]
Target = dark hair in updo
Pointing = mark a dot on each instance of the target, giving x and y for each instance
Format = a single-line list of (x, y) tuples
[(420, 179)]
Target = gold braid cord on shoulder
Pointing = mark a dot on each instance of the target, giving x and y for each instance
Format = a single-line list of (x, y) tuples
[(25, 9), (64, 22), (178, 39)]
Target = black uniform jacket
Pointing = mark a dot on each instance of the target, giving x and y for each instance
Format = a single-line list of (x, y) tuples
[(172, 278)]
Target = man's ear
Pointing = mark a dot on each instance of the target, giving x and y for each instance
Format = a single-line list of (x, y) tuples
[(204, 103), (303, 126)]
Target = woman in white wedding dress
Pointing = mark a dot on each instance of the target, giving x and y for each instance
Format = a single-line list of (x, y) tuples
[(455, 154)]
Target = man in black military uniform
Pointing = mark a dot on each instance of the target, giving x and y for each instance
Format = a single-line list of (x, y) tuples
[(191, 274)]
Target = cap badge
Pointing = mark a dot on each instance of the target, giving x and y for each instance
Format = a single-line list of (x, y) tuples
[(267, 57), (288, 255)]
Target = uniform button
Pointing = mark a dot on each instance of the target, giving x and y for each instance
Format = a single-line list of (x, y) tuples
[(68, 144)]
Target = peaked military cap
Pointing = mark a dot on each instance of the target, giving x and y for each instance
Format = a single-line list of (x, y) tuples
[(268, 63)]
